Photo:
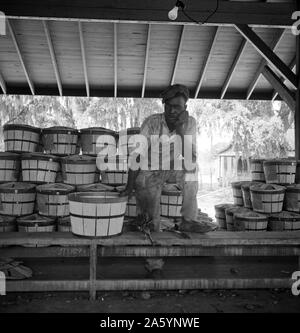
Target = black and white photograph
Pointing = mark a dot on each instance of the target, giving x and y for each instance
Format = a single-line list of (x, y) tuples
[(149, 161)]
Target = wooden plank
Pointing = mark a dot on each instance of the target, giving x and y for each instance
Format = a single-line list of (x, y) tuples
[(275, 43), (206, 62), (178, 55), (233, 67), (292, 66), (2, 84), (149, 93), (149, 284), (267, 53), (82, 48), (146, 60), (151, 251), (115, 60), (211, 239), (14, 39), (42, 285), (53, 58), (93, 270), (281, 88), (229, 12)]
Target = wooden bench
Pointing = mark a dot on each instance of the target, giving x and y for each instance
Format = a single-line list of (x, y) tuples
[(134, 244)]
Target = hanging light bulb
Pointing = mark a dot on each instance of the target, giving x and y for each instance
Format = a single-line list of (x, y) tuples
[(173, 13)]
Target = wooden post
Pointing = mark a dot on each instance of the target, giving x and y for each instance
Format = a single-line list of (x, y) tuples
[(297, 108), (93, 270)]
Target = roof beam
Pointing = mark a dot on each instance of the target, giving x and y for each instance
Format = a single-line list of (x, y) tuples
[(282, 89), (115, 60), (149, 93), (276, 41), (82, 48), (14, 39), (53, 58), (178, 54), (206, 62), (146, 60), (229, 12), (267, 53), (3, 84), (292, 65), (233, 67)]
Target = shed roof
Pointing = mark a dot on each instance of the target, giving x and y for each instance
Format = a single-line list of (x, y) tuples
[(117, 49)]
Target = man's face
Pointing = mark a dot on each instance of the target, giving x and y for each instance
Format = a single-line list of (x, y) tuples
[(174, 107)]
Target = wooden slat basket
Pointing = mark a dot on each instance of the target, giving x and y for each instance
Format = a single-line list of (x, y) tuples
[(267, 198), (95, 187), (36, 223), (250, 221), (292, 198), (127, 141), (17, 198), (284, 221), (39, 168), (220, 214), (9, 167), (21, 138), (97, 214), (79, 169), (131, 210), (237, 192), (52, 199), (8, 223), (116, 173), (229, 213), (280, 171), (90, 140), (257, 170), (64, 224), (171, 201), (60, 140), (246, 194)]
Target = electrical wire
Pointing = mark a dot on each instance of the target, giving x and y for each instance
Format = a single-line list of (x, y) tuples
[(200, 22)]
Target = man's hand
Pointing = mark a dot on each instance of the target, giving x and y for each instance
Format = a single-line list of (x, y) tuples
[(127, 192), (181, 122)]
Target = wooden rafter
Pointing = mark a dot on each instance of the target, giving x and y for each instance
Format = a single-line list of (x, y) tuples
[(14, 39), (206, 62), (282, 89), (83, 56), (292, 65), (233, 67), (53, 58), (267, 53), (178, 54), (146, 60), (115, 60), (3, 84), (263, 63)]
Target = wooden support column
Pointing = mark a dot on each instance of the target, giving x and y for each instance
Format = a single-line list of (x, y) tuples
[(297, 108), (93, 270)]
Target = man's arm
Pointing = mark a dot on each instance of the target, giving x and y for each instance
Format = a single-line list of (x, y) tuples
[(187, 129)]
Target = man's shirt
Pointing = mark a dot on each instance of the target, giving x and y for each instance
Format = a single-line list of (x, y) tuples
[(165, 148)]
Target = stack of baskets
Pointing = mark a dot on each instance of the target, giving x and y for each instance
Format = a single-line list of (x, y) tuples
[(271, 201), (42, 168)]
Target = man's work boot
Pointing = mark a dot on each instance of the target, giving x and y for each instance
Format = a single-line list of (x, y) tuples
[(196, 226)]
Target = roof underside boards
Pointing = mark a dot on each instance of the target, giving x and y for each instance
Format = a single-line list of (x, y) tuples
[(187, 53)]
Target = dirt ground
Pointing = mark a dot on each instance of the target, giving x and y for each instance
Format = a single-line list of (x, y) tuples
[(193, 301)]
